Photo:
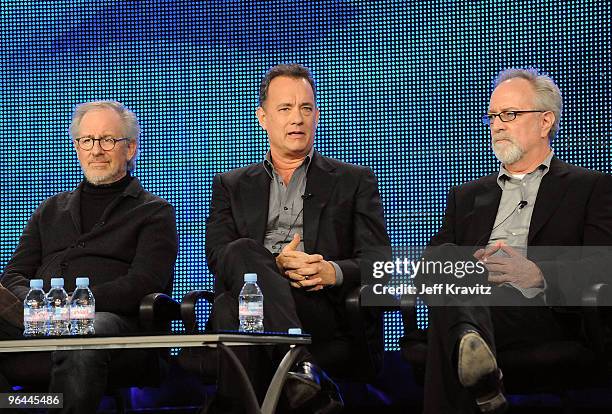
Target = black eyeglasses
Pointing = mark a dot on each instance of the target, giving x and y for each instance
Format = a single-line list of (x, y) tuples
[(505, 116), (106, 143)]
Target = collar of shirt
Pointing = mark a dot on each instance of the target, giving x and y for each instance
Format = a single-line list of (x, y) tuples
[(543, 167), (269, 167)]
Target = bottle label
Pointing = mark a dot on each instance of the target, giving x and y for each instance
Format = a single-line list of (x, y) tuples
[(60, 314), (35, 315), (251, 309), (82, 312)]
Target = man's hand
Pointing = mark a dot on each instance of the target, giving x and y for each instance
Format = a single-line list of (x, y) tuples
[(291, 259), (305, 271), (316, 275), (515, 268)]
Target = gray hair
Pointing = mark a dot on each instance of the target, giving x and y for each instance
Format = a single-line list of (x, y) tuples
[(130, 122), (548, 96)]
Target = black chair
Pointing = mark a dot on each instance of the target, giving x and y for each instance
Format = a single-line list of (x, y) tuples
[(365, 324), (197, 360), (553, 367), (130, 368), (222, 366)]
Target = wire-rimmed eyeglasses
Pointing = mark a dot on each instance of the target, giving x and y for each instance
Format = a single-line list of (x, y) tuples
[(505, 116)]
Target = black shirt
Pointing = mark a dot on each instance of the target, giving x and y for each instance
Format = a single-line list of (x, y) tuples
[(95, 199)]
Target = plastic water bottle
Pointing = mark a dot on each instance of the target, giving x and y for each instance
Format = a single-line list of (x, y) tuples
[(250, 309), (35, 310), (82, 309), (57, 306)]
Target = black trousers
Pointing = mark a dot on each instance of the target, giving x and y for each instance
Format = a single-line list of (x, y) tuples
[(284, 307), (503, 328), (80, 375)]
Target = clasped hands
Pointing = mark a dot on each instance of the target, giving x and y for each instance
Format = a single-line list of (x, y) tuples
[(514, 268), (305, 271)]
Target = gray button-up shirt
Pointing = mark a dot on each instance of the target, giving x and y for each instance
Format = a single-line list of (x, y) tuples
[(286, 206), (286, 209), (512, 221)]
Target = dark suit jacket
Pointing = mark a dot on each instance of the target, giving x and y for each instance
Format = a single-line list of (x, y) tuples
[(127, 255), (343, 219), (573, 208)]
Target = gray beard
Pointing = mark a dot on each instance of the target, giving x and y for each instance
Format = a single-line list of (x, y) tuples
[(509, 155), (101, 179)]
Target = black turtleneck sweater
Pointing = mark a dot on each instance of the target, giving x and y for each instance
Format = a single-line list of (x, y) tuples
[(95, 199)]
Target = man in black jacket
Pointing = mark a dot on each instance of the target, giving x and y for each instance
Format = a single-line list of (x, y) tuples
[(109, 229), (304, 223), (523, 213)]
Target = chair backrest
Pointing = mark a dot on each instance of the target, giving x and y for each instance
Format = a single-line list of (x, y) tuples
[(367, 331)]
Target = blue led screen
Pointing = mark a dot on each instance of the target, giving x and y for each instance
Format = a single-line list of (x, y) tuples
[(402, 87)]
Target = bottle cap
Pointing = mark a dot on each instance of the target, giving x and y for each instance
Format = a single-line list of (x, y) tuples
[(82, 281), (250, 277), (57, 282), (36, 283), (294, 331)]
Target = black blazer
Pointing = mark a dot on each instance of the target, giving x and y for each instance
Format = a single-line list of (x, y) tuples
[(343, 219), (127, 255), (573, 208)]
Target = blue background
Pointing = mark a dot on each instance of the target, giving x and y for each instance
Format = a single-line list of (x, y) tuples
[(401, 85)]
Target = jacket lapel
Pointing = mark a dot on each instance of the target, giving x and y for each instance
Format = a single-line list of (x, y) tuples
[(74, 208), (552, 190), (255, 195), (486, 204), (320, 183)]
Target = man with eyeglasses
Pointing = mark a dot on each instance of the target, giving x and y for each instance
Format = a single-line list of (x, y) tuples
[(534, 200), (108, 229)]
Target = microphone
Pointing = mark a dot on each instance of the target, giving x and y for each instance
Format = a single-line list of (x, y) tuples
[(304, 196), (518, 207)]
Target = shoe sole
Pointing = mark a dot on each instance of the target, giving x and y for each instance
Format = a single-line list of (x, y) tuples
[(314, 388), (478, 372)]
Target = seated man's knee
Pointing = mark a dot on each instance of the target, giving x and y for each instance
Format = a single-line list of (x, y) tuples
[(224, 315), (81, 361), (244, 245), (242, 256), (107, 323)]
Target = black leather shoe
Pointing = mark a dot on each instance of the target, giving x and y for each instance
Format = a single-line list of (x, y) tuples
[(478, 372), (309, 387)]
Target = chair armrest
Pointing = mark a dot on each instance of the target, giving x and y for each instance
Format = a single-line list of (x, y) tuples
[(599, 294), (353, 305), (188, 308), (156, 312), (366, 327), (595, 299), (407, 307)]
